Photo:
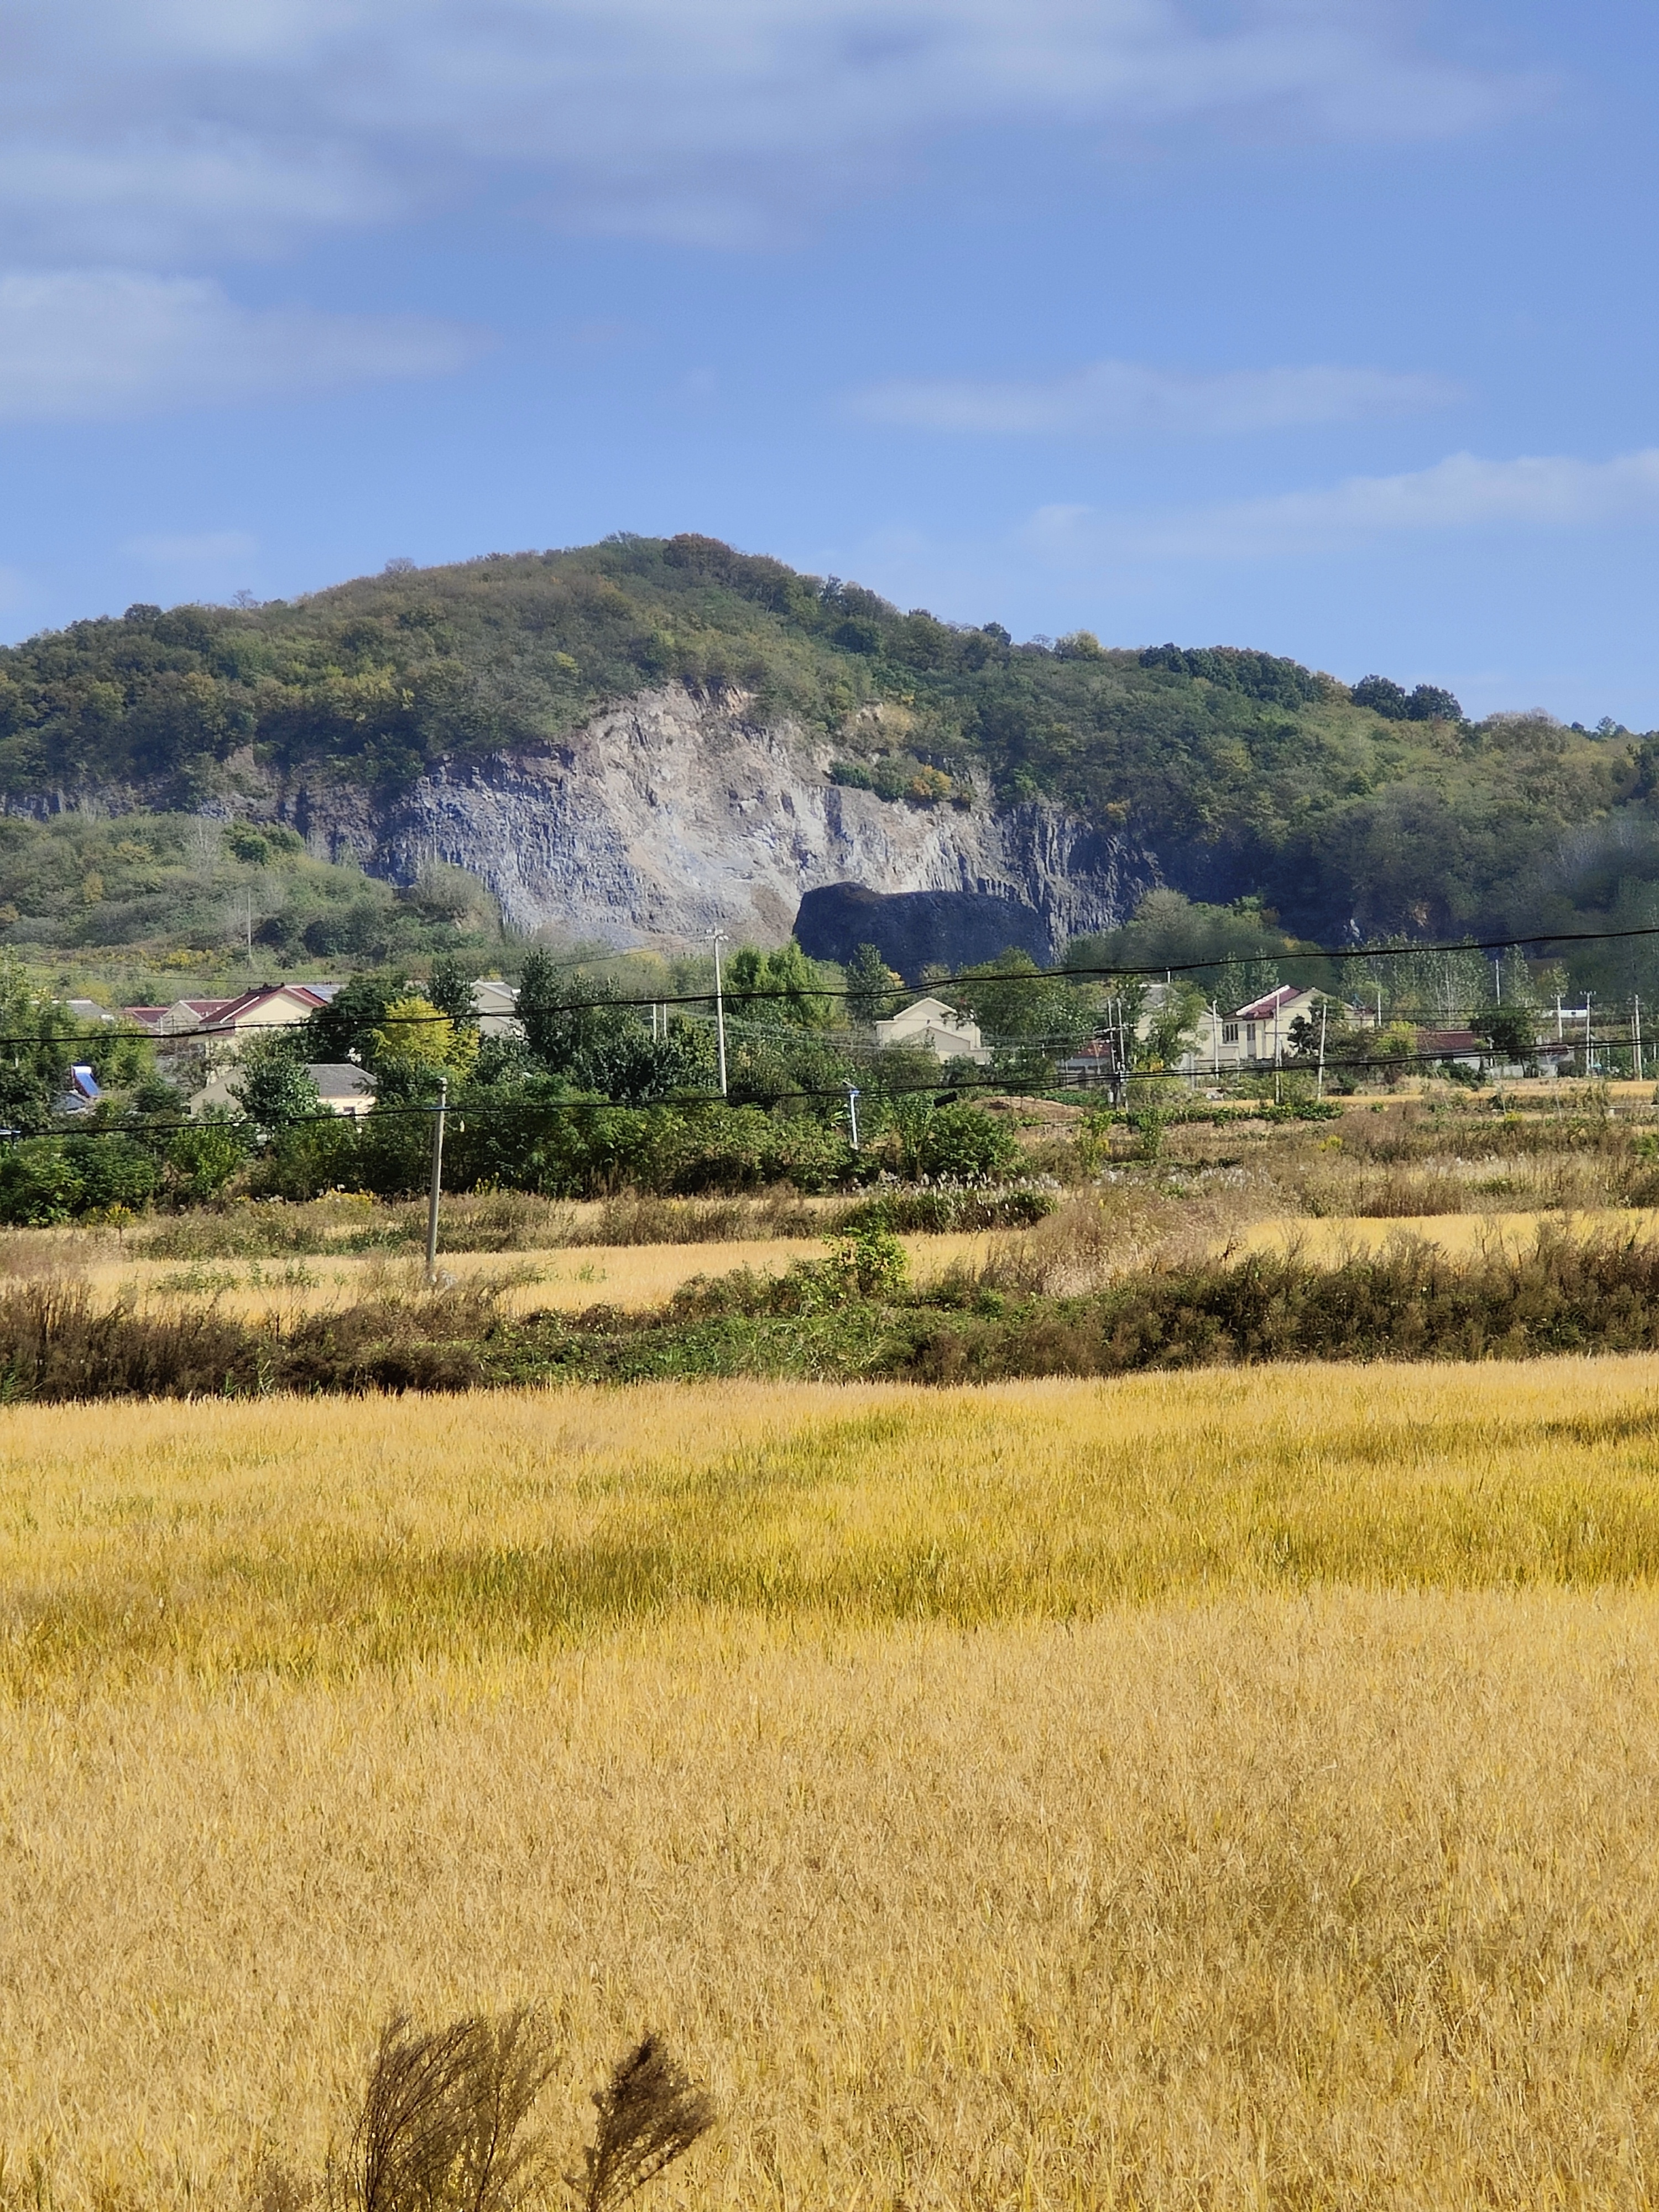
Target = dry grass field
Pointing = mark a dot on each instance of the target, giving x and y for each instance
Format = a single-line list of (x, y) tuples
[(1228, 1790), (1460, 1235), (565, 1279)]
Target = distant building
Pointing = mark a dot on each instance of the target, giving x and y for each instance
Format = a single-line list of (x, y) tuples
[(89, 1009), (83, 1095), (1257, 1035), (494, 1007), (223, 1026), (1092, 1064), (342, 1087), (930, 1025)]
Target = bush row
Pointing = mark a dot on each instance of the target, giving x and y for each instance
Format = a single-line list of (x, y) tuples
[(849, 1317)]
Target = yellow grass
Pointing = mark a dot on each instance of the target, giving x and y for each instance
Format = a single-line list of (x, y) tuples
[(566, 1279), (1219, 1790), (1461, 1236)]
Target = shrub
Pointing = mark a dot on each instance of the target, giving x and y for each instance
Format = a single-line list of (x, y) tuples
[(202, 1159), (45, 1181)]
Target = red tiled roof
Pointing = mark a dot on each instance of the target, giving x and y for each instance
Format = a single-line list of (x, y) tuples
[(223, 1012)]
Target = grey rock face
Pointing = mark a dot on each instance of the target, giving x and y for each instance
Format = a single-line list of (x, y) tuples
[(668, 817)]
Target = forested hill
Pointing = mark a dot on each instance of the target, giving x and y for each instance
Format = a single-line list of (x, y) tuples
[(1243, 773)]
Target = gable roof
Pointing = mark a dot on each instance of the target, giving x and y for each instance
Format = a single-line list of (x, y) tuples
[(225, 1013), (1273, 1002)]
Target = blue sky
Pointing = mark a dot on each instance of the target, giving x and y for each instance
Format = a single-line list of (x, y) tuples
[(1326, 326)]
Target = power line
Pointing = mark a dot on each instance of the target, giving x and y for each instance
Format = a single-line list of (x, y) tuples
[(1010, 1086), (210, 1032)]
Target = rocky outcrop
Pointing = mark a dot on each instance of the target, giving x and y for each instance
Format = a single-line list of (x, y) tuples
[(913, 931), (670, 816)]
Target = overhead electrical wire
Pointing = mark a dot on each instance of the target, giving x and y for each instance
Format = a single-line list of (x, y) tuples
[(210, 1032)]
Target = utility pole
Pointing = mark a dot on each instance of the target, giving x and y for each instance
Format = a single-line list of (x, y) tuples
[(1215, 1039), (1319, 1088), (1636, 1032), (717, 938), (853, 1111), (250, 929), (437, 1183), (1590, 1055)]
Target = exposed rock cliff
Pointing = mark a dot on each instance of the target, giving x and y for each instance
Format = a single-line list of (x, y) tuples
[(670, 816)]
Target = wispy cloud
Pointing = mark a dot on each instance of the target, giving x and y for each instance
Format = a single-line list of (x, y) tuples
[(87, 343), (1117, 397), (1462, 493), (192, 126), (207, 549)]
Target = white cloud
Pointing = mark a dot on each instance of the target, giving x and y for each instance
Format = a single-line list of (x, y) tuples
[(75, 345), (192, 126), (1460, 493), (1128, 397)]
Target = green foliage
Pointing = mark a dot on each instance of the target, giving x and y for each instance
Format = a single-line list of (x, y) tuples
[(865, 1262), (1427, 704), (877, 991), (1511, 1030), (573, 1027), (901, 775), (271, 1086), (97, 879), (202, 1158), (786, 970), (303, 1161), (952, 1143), (1230, 952), (1250, 771), (1170, 1026), (1056, 1014), (45, 1181), (35, 1068)]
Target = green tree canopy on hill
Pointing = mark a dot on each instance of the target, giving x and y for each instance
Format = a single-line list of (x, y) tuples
[(1243, 771)]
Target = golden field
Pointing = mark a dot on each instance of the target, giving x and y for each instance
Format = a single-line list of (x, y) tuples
[(564, 1279), (1460, 1235), (1225, 1789)]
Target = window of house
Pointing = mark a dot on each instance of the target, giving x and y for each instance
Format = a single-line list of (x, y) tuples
[(1230, 1033)]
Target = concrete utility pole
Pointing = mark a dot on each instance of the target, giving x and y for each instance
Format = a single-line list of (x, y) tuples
[(717, 938), (853, 1111), (437, 1183), (1319, 1089), (437, 1180), (1636, 1032)]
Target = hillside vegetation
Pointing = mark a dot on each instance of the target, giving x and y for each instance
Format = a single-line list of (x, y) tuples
[(1246, 774)]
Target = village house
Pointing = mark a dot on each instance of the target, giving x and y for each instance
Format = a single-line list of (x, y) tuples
[(342, 1088), (494, 1007), (930, 1025), (223, 1026)]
